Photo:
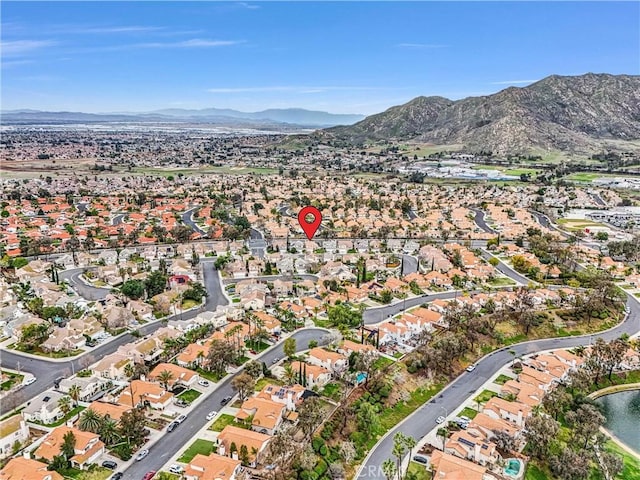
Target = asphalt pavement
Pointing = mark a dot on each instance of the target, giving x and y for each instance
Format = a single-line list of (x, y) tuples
[(187, 219), (168, 444)]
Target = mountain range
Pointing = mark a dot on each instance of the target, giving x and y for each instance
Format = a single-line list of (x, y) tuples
[(272, 117), (576, 114)]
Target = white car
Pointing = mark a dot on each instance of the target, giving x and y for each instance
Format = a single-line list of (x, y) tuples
[(471, 368), (175, 468), (181, 419), (440, 419), (203, 383), (30, 381), (211, 415), (142, 454)]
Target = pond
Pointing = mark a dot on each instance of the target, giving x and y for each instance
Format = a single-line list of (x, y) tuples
[(622, 410)]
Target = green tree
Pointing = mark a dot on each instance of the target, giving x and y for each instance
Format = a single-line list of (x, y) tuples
[(155, 283), (165, 377), (65, 405), (244, 384), (254, 369), (132, 426), (134, 289), (289, 347), (90, 421), (68, 448)]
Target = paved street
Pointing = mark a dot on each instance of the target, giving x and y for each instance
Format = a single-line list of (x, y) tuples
[(480, 221), (168, 444), (47, 371), (187, 219)]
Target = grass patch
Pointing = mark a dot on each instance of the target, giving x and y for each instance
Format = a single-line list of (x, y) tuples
[(502, 379), (203, 447), (583, 176), (222, 421), (13, 379), (211, 376), (331, 390), (63, 354), (189, 395), (501, 282), (485, 396), (391, 416), (417, 471), (93, 473), (263, 382), (631, 463), (468, 412), (187, 304), (381, 363), (534, 472), (258, 347)]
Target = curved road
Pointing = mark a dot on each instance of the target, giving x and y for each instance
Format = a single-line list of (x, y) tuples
[(47, 371), (480, 221), (187, 219)]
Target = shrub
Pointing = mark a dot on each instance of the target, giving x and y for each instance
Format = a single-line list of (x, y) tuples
[(321, 467), (317, 443)]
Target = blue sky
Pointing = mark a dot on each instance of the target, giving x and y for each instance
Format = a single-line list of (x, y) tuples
[(339, 57)]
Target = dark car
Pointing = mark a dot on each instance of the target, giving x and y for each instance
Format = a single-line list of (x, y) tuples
[(172, 426), (110, 464), (117, 476), (225, 400), (149, 475)]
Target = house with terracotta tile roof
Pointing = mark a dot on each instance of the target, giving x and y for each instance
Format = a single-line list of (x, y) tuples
[(109, 410), (254, 442), (21, 468), (536, 378), (514, 412), (449, 467), (347, 347), (290, 396), (194, 355), (143, 391), (472, 444), (490, 425), (212, 467), (88, 446), (265, 414), (332, 361), (316, 375), (180, 375)]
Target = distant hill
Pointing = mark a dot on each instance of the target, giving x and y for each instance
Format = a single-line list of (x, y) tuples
[(295, 116), (573, 114), (291, 116)]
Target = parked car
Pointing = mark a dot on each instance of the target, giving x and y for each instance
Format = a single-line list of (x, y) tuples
[(149, 475), (225, 400), (110, 464), (181, 418), (211, 415), (172, 426), (275, 360), (175, 468), (117, 476), (471, 368), (30, 381), (142, 454), (203, 383), (440, 419), (420, 459)]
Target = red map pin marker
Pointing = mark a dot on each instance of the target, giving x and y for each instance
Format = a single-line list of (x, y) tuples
[(310, 228)]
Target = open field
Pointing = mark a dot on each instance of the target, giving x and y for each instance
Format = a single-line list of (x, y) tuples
[(574, 224)]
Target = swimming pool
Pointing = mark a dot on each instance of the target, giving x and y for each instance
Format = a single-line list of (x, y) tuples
[(361, 377), (514, 468)]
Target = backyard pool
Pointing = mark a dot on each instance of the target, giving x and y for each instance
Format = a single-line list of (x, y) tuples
[(361, 377), (514, 468)]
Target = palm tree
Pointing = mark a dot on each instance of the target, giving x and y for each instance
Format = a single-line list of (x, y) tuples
[(90, 421), (164, 378), (410, 443), (389, 469), (74, 393), (129, 370), (290, 376), (65, 405), (109, 432), (444, 433)]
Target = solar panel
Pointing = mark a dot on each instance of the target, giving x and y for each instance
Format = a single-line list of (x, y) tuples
[(485, 446), (466, 442)]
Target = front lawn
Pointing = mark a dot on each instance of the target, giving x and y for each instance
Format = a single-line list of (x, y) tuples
[(13, 379), (93, 473), (189, 395), (502, 379), (263, 382), (222, 421), (468, 412), (485, 396), (211, 376), (417, 472), (258, 347), (203, 447)]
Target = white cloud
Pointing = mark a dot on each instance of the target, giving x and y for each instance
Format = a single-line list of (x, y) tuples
[(512, 82), (106, 30), (21, 47), (192, 43), (421, 45), (248, 6), (15, 63)]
